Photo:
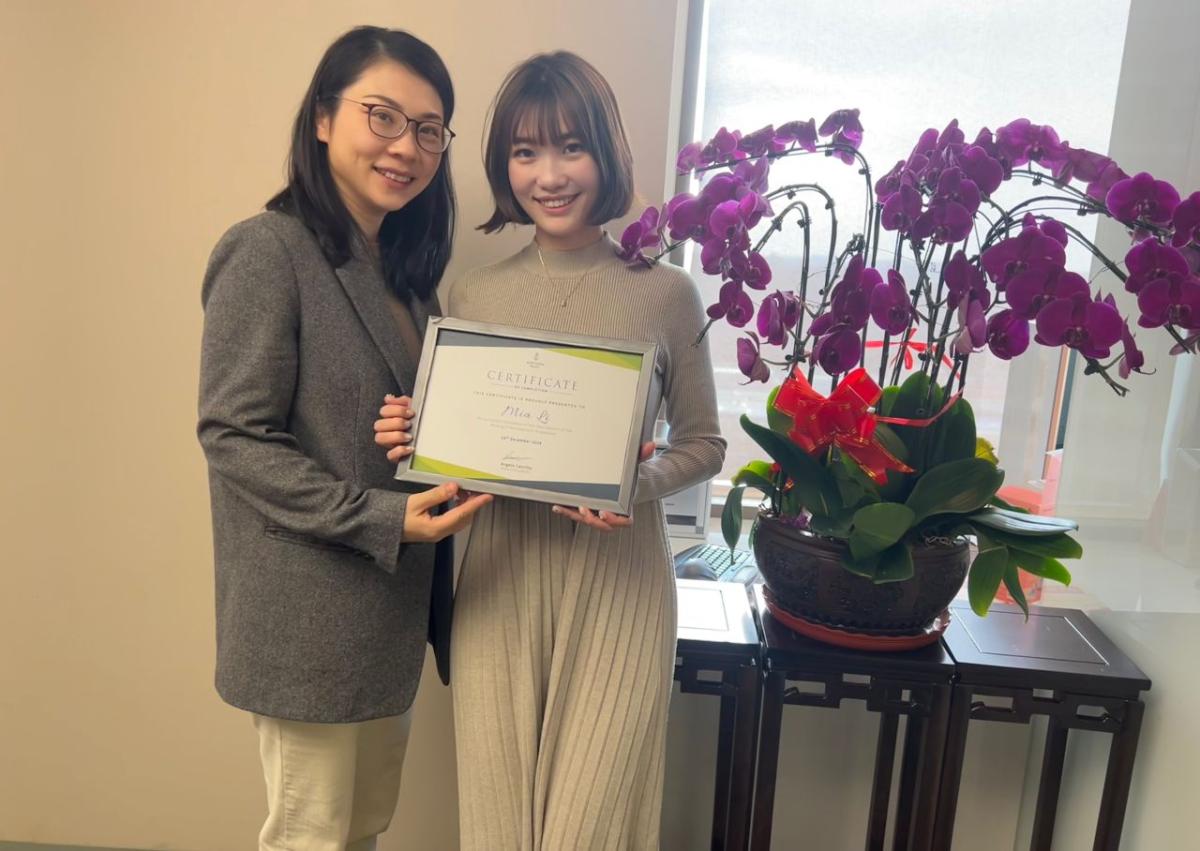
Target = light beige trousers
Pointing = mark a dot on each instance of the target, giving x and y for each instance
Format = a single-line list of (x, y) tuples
[(330, 787)]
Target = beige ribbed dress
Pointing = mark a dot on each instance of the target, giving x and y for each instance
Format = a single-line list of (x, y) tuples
[(564, 637)]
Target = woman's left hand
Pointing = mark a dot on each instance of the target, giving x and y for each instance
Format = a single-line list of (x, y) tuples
[(604, 521)]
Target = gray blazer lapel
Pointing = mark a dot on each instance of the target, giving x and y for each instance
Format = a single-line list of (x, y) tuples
[(365, 288)]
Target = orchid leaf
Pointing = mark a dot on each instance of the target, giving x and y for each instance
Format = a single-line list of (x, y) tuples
[(986, 574), (1047, 568), (955, 434), (731, 516), (895, 564), (835, 526), (756, 474), (1012, 581), (1006, 520), (877, 527), (1047, 546), (1005, 504), (956, 487), (811, 482)]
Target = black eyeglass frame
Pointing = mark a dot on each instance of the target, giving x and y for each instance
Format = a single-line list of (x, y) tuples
[(417, 125)]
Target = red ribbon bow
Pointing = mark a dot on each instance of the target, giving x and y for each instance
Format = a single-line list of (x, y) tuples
[(844, 420)]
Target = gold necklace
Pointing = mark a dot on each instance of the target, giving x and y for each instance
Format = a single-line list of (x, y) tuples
[(550, 280)]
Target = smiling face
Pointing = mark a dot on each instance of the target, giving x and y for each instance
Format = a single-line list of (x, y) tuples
[(376, 176), (556, 182)]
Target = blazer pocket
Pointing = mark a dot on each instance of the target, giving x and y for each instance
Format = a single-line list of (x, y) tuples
[(281, 534)]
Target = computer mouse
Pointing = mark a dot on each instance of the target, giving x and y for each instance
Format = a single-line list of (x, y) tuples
[(695, 568)]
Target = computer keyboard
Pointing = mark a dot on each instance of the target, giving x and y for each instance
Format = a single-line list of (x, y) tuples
[(725, 565)]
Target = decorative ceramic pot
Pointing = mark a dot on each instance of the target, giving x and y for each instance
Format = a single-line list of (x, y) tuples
[(806, 578)]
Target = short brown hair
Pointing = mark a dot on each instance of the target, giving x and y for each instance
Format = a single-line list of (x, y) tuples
[(558, 95)]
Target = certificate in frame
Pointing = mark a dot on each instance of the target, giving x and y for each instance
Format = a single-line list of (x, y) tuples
[(538, 415)]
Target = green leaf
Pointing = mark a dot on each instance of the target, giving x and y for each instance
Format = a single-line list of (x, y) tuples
[(1019, 523), (731, 517), (1001, 503), (917, 399), (866, 567), (837, 526), (756, 474), (956, 487), (813, 485), (1046, 546), (778, 421), (955, 434), (1047, 568), (895, 564), (987, 572), (887, 400), (1012, 581), (877, 527)]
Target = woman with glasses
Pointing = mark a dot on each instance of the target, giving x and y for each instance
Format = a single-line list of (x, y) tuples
[(325, 566), (564, 620)]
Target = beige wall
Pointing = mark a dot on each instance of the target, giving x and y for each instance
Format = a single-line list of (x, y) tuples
[(132, 135)]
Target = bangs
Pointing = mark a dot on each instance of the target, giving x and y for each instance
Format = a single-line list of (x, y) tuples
[(549, 112)]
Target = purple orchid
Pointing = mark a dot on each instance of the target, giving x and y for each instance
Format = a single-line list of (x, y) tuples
[(1186, 221), (851, 302), (1174, 301), (1110, 175), (1091, 326), (1132, 359), (1079, 164), (752, 174), (778, 313), (964, 279), (839, 350), (846, 130), (723, 147), (1039, 285), (950, 136), (890, 305), (984, 170), (751, 269), (733, 305), (750, 361), (640, 235), (1150, 261), (974, 327), (944, 221), (1007, 334), (689, 158), (1008, 258), (762, 141), (1022, 141), (1141, 197), (803, 133), (687, 219), (901, 209)]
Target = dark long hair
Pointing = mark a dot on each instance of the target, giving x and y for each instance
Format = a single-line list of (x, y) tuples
[(414, 241)]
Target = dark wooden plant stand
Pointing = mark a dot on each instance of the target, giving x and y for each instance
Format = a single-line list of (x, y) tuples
[(915, 683), (1059, 665), (718, 636)]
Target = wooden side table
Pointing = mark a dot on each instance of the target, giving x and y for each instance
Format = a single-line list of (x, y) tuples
[(718, 637), (1058, 664), (913, 683)]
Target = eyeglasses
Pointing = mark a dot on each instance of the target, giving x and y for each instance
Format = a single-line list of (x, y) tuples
[(387, 122)]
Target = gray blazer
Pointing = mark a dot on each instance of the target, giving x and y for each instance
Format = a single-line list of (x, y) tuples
[(322, 609)]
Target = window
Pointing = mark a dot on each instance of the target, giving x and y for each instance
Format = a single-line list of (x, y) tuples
[(906, 67)]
